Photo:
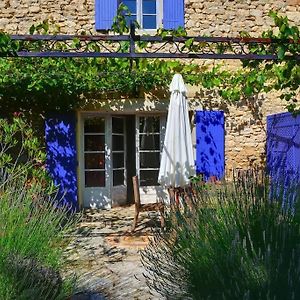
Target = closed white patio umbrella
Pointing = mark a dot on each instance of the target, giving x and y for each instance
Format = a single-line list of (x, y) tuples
[(177, 160)]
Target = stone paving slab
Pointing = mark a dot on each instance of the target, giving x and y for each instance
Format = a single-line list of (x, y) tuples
[(105, 255)]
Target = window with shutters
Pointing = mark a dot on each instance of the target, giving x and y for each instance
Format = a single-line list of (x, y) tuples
[(148, 13)]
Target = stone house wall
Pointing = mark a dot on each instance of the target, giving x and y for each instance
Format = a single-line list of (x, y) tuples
[(245, 122), (214, 17)]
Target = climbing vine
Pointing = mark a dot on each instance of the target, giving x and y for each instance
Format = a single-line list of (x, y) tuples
[(51, 84), (282, 75)]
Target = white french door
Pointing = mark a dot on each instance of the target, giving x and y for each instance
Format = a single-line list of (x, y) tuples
[(102, 160), (95, 160), (150, 131), (103, 165), (119, 187)]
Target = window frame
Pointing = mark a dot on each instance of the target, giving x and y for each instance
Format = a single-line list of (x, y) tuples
[(159, 16), (87, 169)]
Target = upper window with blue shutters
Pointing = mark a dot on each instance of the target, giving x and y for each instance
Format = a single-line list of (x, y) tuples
[(148, 13)]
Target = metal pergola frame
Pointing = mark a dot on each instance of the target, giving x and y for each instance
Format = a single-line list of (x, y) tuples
[(128, 46)]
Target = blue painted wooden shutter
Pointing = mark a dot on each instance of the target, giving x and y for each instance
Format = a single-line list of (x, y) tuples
[(61, 160), (210, 143), (105, 11), (283, 153), (173, 14)]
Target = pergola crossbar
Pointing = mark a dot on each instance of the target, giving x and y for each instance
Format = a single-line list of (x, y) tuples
[(129, 46), (105, 37)]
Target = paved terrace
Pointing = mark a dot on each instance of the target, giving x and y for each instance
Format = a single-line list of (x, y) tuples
[(105, 255)]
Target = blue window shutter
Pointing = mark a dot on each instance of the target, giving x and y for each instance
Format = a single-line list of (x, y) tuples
[(210, 143), (173, 14), (61, 159), (283, 152), (105, 11)]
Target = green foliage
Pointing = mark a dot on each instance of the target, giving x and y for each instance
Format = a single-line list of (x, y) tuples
[(7, 46), (52, 84), (120, 24), (62, 84), (33, 229), (282, 75), (19, 146), (232, 242)]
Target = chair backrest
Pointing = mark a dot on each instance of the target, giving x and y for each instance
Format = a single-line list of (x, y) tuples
[(136, 191)]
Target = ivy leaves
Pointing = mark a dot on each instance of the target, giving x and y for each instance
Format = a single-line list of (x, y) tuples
[(282, 75), (7, 46), (61, 84), (47, 84), (286, 72)]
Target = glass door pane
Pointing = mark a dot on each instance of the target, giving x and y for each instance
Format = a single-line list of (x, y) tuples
[(94, 152), (149, 149), (118, 150), (149, 142), (149, 14)]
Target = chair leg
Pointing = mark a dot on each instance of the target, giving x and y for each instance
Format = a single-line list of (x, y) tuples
[(135, 220), (162, 217)]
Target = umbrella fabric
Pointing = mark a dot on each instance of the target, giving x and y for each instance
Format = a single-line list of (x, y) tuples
[(177, 161)]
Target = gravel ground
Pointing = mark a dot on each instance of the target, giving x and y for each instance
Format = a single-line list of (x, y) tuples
[(105, 255)]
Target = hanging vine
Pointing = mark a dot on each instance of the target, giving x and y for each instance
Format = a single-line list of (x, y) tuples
[(54, 84)]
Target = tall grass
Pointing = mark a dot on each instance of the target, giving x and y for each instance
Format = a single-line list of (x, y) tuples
[(233, 242), (33, 228)]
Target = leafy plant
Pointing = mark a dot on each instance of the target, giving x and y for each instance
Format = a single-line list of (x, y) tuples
[(58, 84), (233, 242), (258, 76), (7, 46)]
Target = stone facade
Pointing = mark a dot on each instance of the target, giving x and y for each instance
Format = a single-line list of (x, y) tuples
[(229, 17), (212, 17), (245, 122), (245, 127)]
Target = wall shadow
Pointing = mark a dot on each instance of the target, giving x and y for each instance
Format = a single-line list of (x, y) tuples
[(210, 140), (283, 154)]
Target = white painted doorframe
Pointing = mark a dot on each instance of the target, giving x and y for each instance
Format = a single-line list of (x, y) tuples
[(94, 197)]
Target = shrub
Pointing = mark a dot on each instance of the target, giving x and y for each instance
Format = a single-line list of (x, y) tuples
[(33, 227), (232, 242)]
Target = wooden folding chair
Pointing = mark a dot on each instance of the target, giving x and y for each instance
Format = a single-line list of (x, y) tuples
[(139, 207)]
